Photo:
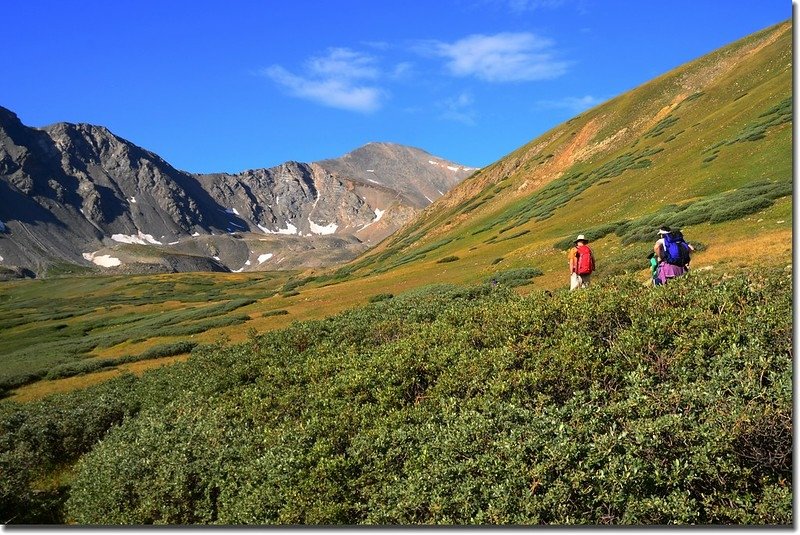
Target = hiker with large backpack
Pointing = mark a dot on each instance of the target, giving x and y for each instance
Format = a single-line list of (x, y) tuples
[(672, 253), (581, 263)]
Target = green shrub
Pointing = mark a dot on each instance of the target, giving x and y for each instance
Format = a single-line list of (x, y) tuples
[(380, 297), (741, 209), (515, 277), (293, 284), (725, 206), (779, 114), (446, 259), (662, 125), (91, 365), (280, 312)]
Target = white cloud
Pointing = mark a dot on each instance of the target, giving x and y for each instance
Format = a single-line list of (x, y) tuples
[(402, 70), (336, 79), (520, 6), (574, 104), (503, 57), (343, 63), (459, 109)]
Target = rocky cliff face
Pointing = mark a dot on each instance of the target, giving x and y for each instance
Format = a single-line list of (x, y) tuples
[(78, 194)]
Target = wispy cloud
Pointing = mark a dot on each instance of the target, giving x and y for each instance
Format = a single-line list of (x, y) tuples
[(459, 109), (573, 104), (520, 6), (503, 57), (344, 63), (342, 79), (402, 70)]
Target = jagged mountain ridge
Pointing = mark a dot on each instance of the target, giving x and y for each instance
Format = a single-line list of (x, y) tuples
[(78, 194)]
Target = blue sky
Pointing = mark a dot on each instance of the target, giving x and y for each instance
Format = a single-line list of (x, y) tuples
[(228, 86)]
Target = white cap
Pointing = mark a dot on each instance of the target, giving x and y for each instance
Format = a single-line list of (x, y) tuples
[(581, 237)]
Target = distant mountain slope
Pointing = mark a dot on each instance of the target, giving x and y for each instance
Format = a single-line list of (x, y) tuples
[(78, 194), (367, 193), (68, 189), (706, 147), (419, 177)]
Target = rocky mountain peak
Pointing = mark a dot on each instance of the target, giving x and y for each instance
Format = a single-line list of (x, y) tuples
[(75, 192), (418, 176)]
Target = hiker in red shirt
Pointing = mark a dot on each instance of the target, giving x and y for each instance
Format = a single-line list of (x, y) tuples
[(581, 263)]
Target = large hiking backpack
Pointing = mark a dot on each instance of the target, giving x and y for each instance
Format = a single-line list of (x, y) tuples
[(585, 260), (676, 250)]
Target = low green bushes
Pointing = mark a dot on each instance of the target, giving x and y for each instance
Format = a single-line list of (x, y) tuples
[(280, 312), (89, 365), (662, 125), (779, 114), (447, 259), (543, 203), (41, 348), (514, 277), (726, 206), (618, 404)]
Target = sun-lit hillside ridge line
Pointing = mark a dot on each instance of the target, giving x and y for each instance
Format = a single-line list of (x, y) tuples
[(646, 149)]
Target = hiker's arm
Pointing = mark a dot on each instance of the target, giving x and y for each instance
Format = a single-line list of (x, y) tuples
[(657, 251)]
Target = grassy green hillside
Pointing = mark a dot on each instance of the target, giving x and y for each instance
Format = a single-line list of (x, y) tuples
[(706, 147), (56, 332)]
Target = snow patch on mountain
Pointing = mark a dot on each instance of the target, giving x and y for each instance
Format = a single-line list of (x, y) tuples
[(264, 257), (320, 229), (378, 215), (140, 238), (102, 260), (290, 229)]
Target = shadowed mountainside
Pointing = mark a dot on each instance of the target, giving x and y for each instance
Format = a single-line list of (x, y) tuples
[(76, 194)]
